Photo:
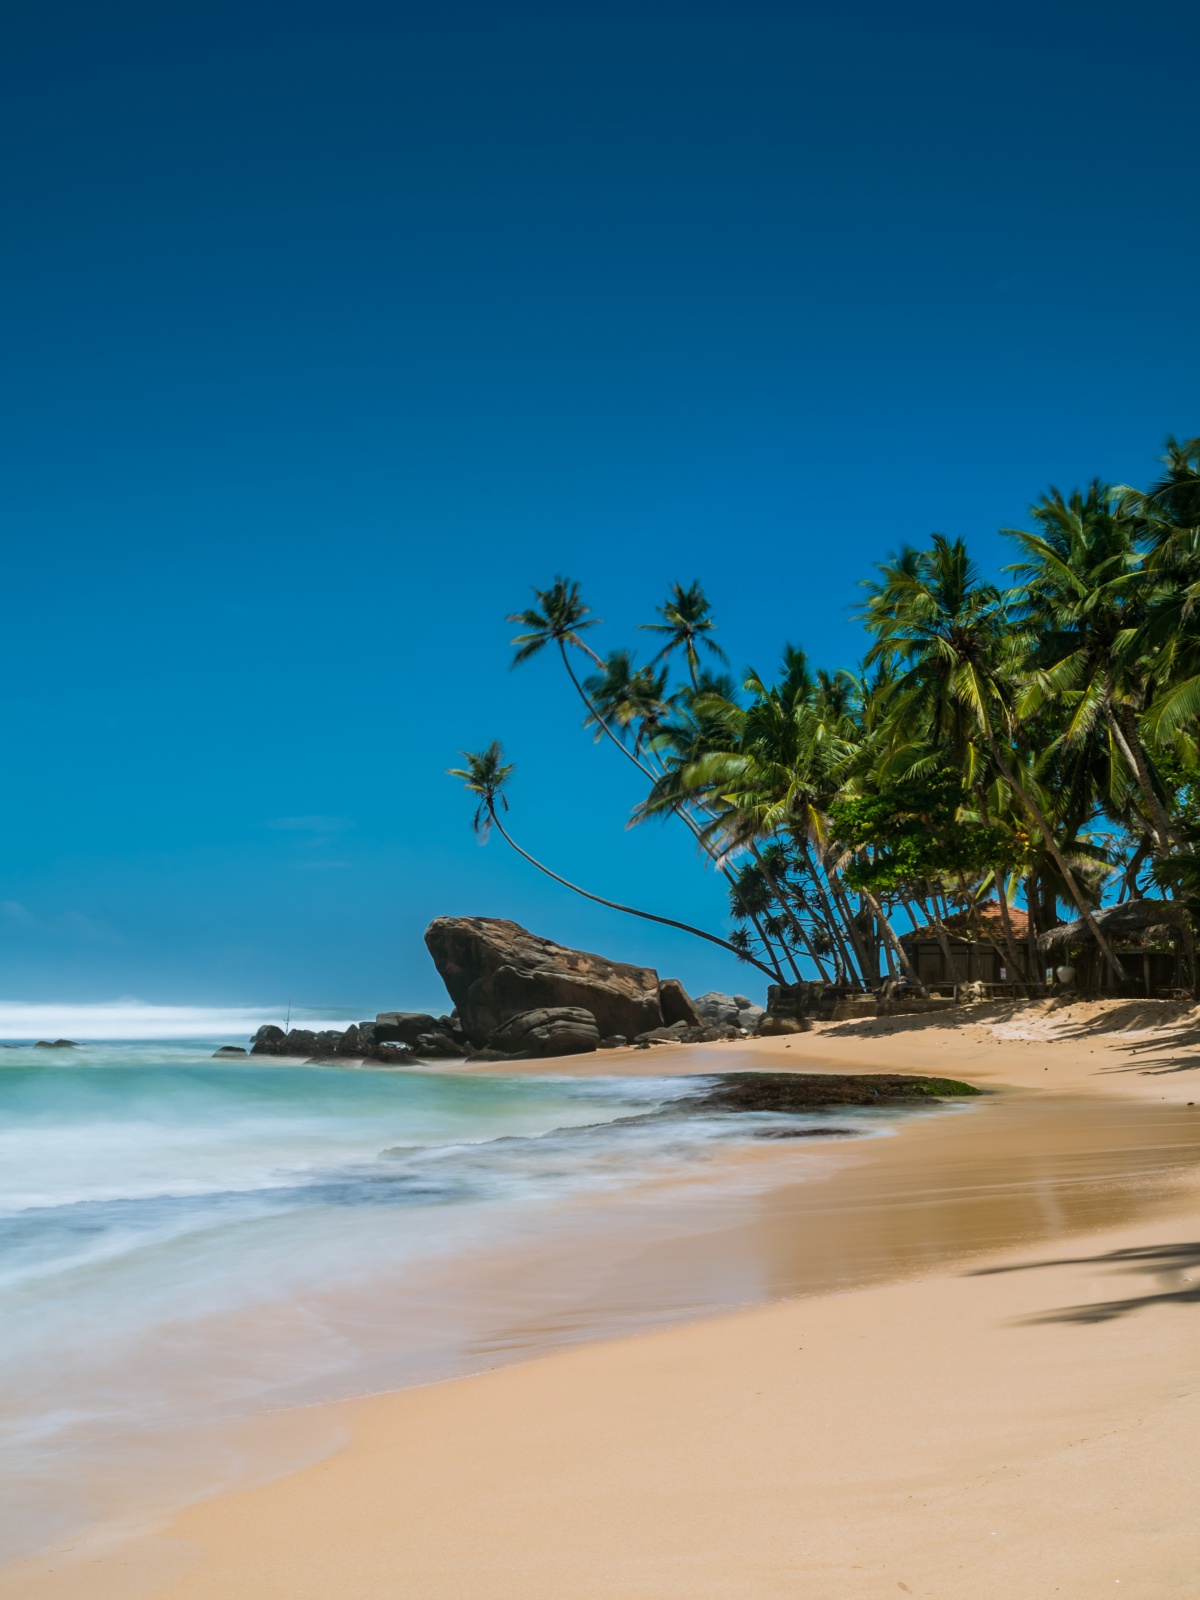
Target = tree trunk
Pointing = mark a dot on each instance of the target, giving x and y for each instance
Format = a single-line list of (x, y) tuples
[(1134, 752), (793, 921), (1043, 827), (866, 967), (1014, 960), (943, 938), (837, 921), (615, 905), (889, 934), (1135, 758), (1035, 965), (1006, 923), (689, 822)]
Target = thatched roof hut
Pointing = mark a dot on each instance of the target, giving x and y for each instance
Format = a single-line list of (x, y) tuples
[(1137, 923)]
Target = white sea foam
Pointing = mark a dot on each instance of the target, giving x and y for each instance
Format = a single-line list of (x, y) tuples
[(129, 1018), (185, 1240)]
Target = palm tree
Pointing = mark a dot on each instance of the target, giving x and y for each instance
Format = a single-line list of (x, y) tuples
[(628, 698), (687, 623), (1082, 591), (957, 654), (560, 617), (615, 693), (485, 775)]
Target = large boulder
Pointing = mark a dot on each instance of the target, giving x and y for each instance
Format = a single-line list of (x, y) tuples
[(548, 1031), (676, 1006), (495, 970)]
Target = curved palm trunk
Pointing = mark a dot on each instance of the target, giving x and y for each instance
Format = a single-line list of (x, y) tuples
[(645, 771), (793, 920), (832, 914), (868, 968), (889, 933), (1131, 748), (615, 905), (1039, 821)]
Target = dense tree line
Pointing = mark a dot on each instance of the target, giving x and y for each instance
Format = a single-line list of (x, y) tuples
[(1034, 743)]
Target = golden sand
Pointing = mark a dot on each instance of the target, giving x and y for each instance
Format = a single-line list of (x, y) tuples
[(986, 1385)]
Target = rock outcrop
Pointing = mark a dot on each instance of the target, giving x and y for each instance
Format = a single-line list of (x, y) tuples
[(728, 1010), (395, 1037), (548, 1031), (495, 970), (676, 1006)]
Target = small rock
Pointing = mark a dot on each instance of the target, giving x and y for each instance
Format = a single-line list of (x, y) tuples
[(229, 1050)]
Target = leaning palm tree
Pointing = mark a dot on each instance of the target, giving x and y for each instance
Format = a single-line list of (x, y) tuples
[(957, 654), (485, 775), (687, 623)]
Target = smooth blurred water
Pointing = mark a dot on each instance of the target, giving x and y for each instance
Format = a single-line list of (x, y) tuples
[(184, 1239)]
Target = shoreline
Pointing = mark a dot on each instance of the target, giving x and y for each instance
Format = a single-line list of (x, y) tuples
[(918, 1213)]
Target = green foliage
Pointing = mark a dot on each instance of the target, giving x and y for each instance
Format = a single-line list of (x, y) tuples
[(1042, 740), (915, 831)]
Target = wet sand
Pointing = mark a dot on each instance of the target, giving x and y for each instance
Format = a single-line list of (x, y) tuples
[(908, 1419)]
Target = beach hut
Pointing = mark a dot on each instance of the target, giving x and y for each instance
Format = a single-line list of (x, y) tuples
[(1146, 938), (973, 959)]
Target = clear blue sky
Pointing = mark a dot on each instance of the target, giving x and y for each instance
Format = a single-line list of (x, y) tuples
[(330, 329)]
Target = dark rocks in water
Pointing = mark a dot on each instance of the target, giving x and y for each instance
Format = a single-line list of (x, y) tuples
[(548, 1031), (804, 1091), (359, 1042), (806, 1133), (402, 1027), (438, 1044), (395, 1055), (57, 1044), (676, 1006), (495, 970), (229, 1050)]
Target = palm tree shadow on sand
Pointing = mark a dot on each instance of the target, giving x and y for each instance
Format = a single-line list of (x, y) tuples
[(1171, 1264)]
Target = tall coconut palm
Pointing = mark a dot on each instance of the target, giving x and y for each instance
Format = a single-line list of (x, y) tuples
[(1168, 514), (956, 653), (614, 697), (688, 626), (485, 775), (1082, 595)]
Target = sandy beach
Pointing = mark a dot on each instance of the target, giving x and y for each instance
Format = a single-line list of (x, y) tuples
[(977, 1378)]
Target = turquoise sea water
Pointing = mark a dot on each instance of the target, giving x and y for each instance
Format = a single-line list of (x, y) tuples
[(185, 1240)]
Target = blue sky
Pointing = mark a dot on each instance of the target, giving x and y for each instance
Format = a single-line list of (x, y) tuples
[(330, 330)]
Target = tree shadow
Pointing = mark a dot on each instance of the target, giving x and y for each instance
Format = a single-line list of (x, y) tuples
[(1175, 1047), (1171, 1264)]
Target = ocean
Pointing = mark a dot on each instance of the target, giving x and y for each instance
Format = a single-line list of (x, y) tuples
[(186, 1242)]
